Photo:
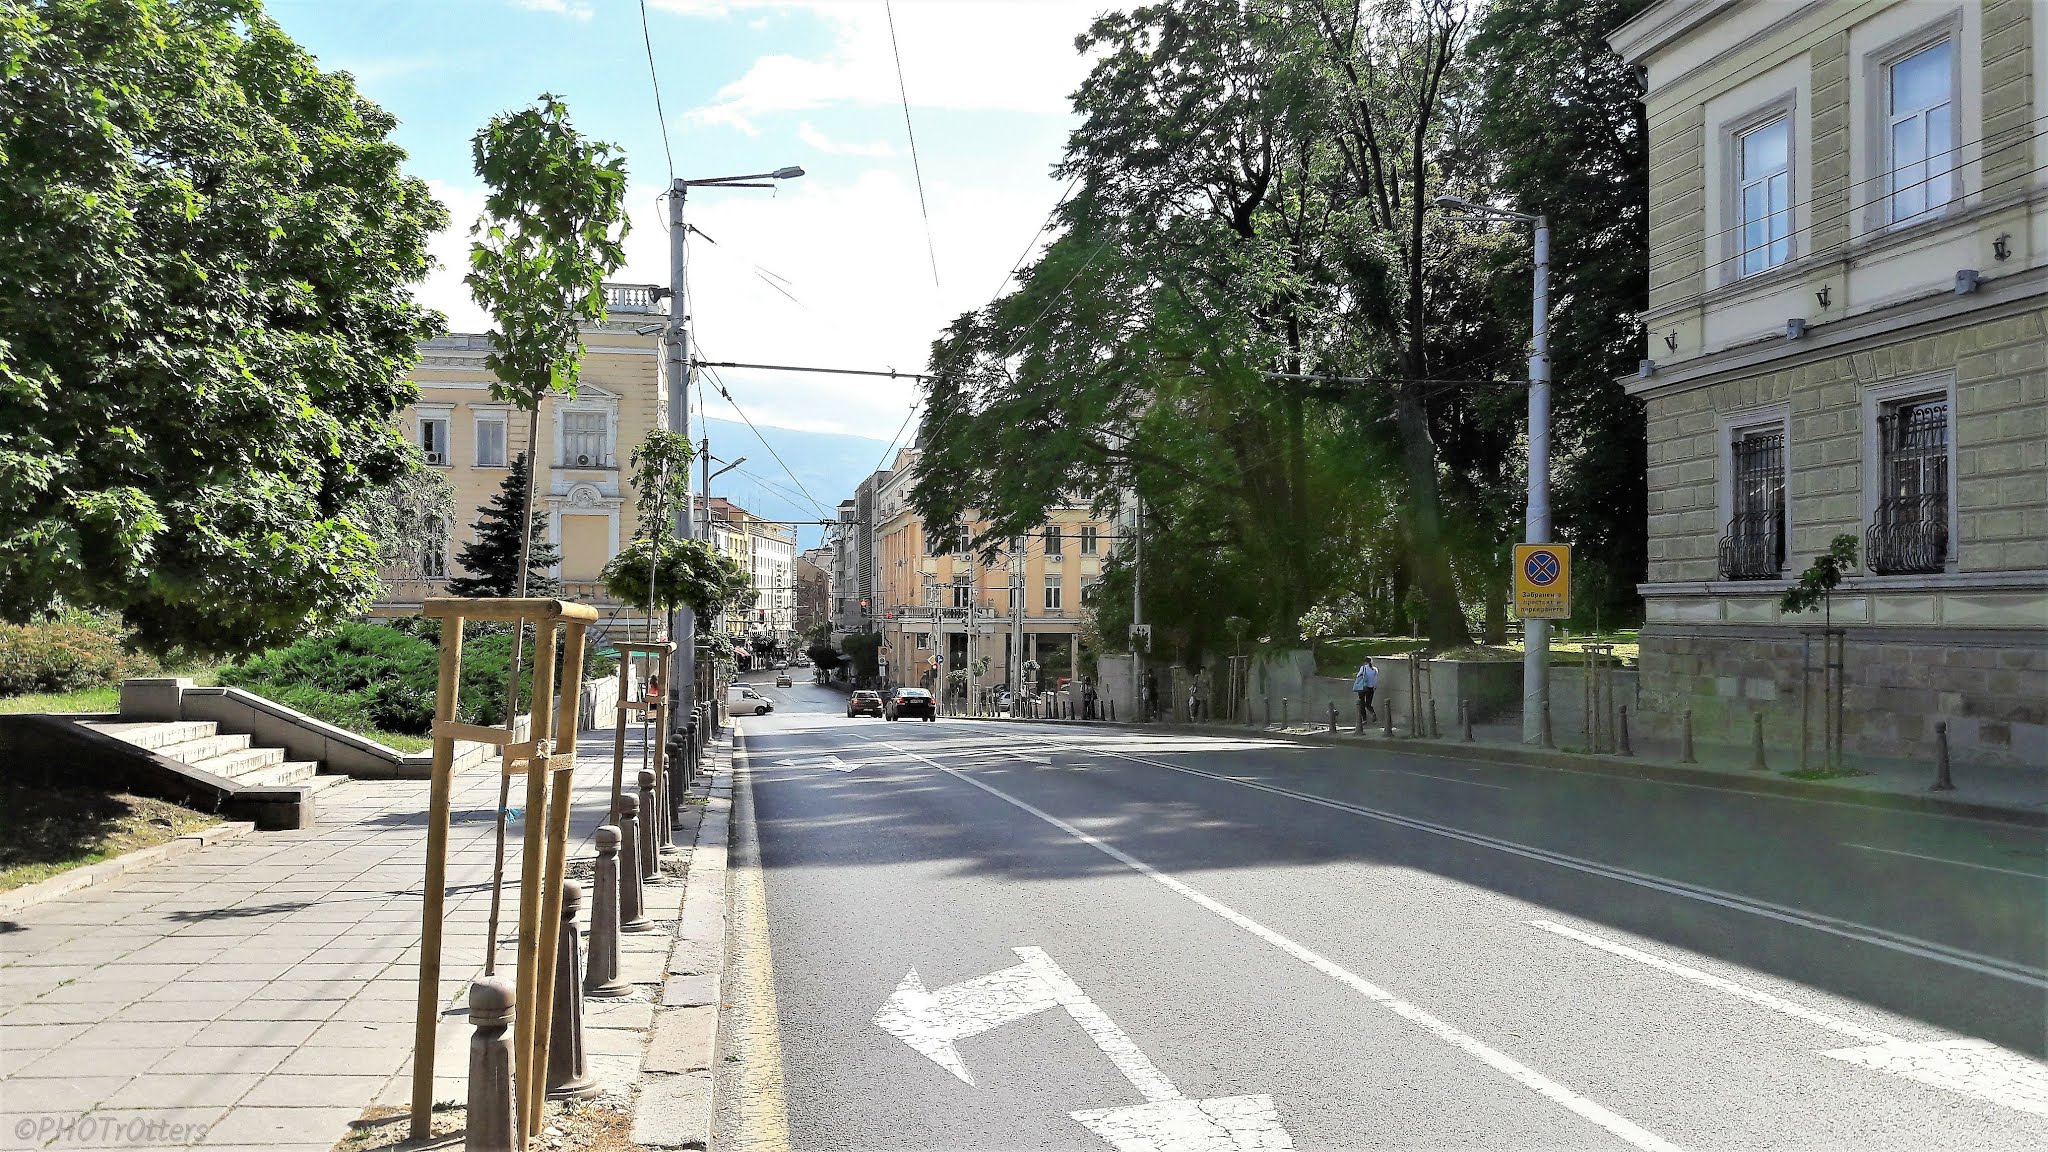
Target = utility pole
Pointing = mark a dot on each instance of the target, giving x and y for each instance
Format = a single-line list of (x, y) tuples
[(682, 684), (1014, 672), (1535, 633)]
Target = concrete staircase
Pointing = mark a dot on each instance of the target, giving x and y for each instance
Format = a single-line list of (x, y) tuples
[(200, 744)]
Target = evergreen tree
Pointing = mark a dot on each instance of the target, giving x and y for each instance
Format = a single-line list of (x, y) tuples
[(491, 559)]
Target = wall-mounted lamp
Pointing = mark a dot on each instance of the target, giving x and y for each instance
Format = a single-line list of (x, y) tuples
[(1795, 328), (1671, 340), (1966, 281), (1822, 295), (1646, 369), (2002, 247)]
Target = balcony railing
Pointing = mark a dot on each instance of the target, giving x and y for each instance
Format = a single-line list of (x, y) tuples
[(630, 298), (1754, 548), (1909, 534)]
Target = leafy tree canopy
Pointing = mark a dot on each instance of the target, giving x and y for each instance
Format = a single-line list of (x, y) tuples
[(688, 572), (206, 247)]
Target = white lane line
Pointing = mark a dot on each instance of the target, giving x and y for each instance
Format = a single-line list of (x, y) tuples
[(1620, 1126), (1972, 1067), (1122, 1051), (1946, 860), (1847, 929), (1448, 779)]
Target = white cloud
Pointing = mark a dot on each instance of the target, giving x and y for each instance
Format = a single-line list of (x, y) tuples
[(992, 55), (818, 141), (574, 9)]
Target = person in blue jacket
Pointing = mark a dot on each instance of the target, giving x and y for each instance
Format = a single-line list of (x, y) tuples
[(1368, 678)]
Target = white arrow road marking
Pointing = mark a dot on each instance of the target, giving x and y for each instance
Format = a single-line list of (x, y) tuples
[(1976, 1068), (931, 1021), (1515, 1070), (829, 761)]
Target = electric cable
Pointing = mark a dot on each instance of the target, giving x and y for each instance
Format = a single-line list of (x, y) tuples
[(654, 78), (917, 170)]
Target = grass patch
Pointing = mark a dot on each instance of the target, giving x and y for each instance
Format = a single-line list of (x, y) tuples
[(1824, 773), (45, 831), (399, 740), (101, 698)]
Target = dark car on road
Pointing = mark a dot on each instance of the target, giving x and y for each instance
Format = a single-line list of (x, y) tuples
[(864, 703), (913, 702)]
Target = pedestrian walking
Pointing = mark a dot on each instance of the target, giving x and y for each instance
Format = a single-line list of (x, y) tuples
[(1368, 678)]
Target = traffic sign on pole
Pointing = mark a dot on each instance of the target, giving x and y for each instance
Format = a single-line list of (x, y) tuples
[(1543, 581)]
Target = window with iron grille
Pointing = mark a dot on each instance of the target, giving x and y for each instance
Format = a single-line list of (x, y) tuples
[(584, 439), (434, 549), (1909, 532), (1754, 548)]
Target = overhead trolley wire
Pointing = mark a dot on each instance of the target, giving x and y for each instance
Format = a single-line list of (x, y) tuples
[(916, 169)]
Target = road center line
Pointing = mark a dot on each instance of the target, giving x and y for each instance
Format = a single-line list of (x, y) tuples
[(1850, 930), (1620, 1126), (1946, 860)]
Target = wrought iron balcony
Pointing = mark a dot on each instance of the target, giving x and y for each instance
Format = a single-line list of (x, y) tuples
[(1754, 548), (1909, 534)]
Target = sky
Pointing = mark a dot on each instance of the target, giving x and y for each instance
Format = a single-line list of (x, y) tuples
[(749, 86)]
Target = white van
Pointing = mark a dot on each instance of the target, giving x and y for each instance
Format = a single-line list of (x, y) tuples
[(742, 698)]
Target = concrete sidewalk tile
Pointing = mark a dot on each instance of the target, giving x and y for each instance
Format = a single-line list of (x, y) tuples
[(674, 1111), (683, 1040), (22, 1037), (160, 1009), (142, 1128), (112, 993), (315, 1011), (121, 1032), (62, 1094), (290, 1091), (275, 1127), (362, 1034), (628, 1014), (689, 991), (217, 1061), (93, 1062), (342, 1062), (183, 1091), (233, 1033)]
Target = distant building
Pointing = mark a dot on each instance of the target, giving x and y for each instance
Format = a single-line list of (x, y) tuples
[(813, 589), (768, 552), (581, 474), (1848, 335)]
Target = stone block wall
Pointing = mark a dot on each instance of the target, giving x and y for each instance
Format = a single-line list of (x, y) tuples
[(1991, 687)]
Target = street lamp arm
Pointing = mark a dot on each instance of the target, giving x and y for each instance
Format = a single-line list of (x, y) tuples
[(1479, 209)]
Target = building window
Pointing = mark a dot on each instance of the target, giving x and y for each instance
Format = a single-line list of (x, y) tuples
[(490, 440), (1909, 532), (1052, 542), (434, 548), (924, 641), (1765, 195), (1052, 593), (1920, 131), (1088, 539), (1754, 548), (963, 595), (434, 439), (583, 439)]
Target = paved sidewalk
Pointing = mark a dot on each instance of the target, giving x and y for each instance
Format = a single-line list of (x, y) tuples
[(259, 994)]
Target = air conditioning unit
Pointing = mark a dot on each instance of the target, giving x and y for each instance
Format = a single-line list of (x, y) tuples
[(583, 461), (437, 458)]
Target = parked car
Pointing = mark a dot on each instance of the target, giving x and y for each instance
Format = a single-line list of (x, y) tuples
[(913, 702), (864, 702), (782, 680), (743, 698)]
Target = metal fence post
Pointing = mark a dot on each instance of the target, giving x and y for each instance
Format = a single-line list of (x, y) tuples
[(1685, 755), (1756, 743), (1942, 782)]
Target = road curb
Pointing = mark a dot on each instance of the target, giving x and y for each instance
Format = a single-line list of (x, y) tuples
[(1602, 765), (674, 1108), (92, 875)]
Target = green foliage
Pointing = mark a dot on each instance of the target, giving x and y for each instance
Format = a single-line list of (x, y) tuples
[(77, 650), (863, 654), (490, 561), (688, 572), (374, 676), (206, 252), (409, 516), (823, 655), (1818, 583)]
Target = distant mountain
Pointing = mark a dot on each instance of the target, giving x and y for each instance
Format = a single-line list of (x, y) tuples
[(826, 465)]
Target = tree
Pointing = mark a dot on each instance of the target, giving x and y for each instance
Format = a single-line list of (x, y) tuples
[(688, 572), (554, 226), (491, 558), (409, 519), (206, 248)]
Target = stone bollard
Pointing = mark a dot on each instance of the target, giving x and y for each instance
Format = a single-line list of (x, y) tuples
[(1942, 782), (1465, 719), (1269, 710), (650, 822), (632, 915), (1756, 743), (1685, 740), (568, 1068), (1549, 740), (1434, 732), (1283, 712), (1387, 706), (1112, 711), (490, 1126), (601, 977), (1622, 732), (1333, 717)]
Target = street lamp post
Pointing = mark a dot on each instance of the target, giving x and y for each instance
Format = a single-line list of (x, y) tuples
[(1535, 633), (683, 625)]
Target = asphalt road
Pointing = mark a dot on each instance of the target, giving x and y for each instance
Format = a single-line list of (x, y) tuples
[(998, 936)]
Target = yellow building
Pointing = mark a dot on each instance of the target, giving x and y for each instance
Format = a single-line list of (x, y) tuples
[(1026, 606), (582, 477)]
